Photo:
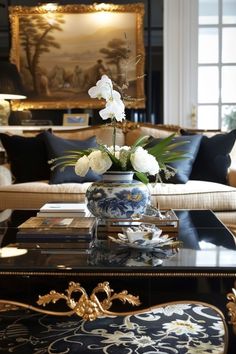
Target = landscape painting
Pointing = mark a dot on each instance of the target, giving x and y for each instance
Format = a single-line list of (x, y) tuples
[(60, 54)]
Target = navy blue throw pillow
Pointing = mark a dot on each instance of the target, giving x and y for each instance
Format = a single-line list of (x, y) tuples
[(57, 147), (213, 160), (27, 157), (184, 166)]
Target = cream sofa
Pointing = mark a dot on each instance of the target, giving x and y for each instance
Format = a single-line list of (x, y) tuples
[(194, 194)]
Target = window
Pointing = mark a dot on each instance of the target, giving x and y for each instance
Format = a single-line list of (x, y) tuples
[(217, 64)]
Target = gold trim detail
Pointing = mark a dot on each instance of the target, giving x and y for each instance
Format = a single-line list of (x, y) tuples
[(17, 13), (231, 306), (87, 307), (124, 274), (127, 126)]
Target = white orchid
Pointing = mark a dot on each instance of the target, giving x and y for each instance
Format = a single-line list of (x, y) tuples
[(141, 158), (103, 89), (115, 108)]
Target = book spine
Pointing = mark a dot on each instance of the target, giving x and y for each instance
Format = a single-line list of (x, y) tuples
[(60, 214), (55, 245), (34, 237)]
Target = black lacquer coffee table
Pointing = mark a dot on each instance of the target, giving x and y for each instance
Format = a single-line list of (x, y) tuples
[(204, 268)]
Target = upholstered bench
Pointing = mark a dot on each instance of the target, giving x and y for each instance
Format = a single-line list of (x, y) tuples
[(179, 327)]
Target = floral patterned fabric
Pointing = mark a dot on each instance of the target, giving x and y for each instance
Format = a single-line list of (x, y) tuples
[(175, 328)]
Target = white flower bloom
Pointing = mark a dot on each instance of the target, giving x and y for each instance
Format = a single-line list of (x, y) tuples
[(118, 148), (115, 96), (82, 166), (172, 309), (114, 109), (125, 147), (103, 89), (218, 326), (99, 161), (104, 80), (144, 162), (143, 341), (180, 327)]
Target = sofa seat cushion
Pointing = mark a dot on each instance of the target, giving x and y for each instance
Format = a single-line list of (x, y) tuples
[(194, 195), (34, 194)]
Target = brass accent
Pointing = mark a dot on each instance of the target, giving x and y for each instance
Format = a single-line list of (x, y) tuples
[(89, 308), (126, 126), (17, 12), (171, 127), (4, 307), (231, 306)]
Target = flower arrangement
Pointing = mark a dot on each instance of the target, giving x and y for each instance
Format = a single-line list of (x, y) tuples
[(143, 157)]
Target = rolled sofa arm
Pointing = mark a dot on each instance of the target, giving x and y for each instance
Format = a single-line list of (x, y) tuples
[(232, 176), (5, 175)]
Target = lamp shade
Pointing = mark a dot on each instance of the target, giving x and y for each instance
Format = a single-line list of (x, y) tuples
[(11, 87)]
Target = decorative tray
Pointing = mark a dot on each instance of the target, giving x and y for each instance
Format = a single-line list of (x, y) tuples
[(166, 220)]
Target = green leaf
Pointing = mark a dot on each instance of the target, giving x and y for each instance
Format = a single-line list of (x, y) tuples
[(163, 150), (141, 141), (142, 177)]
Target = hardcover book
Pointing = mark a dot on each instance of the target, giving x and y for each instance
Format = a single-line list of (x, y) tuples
[(78, 225), (63, 207), (55, 245)]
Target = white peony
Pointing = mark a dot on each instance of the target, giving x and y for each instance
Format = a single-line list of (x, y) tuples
[(99, 161), (82, 166), (144, 162)]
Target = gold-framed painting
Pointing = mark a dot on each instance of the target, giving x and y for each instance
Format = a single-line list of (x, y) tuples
[(61, 53), (76, 119)]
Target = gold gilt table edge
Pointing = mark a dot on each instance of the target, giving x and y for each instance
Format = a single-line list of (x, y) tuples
[(123, 274)]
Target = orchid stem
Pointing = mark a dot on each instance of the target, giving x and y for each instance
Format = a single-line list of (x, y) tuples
[(114, 134)]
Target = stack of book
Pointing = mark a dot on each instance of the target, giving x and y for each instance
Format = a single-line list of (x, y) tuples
[(57, 232)]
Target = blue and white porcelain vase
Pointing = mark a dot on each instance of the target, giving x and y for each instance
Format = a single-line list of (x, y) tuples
[(118, 195)]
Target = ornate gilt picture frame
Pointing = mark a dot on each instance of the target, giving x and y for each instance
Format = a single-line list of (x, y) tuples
[(60, 54)]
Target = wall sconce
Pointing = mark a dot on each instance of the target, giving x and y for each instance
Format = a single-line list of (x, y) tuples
[(11, 88)]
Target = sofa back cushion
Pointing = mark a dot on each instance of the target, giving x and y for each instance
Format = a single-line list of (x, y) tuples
[(57, 147), (213, 158), (27, 157), (183, 166)]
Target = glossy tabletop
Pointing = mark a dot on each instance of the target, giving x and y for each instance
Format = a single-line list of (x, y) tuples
[(209, 248)]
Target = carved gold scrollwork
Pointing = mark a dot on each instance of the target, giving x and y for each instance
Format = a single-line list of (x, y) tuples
[(126, 125), (89, 308), (231, 306)]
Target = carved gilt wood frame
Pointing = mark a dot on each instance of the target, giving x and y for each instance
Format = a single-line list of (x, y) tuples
[(61, 53)]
